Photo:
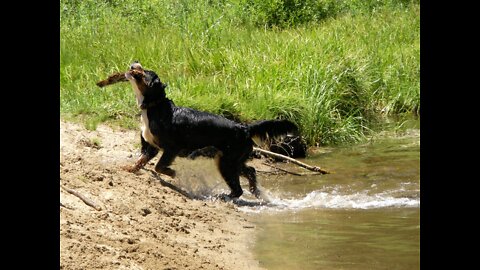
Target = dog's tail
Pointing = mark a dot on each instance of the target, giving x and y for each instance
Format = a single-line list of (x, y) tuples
[(271, 128)]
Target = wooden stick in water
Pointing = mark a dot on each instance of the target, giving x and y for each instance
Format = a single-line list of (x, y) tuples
[(289, 172), (301, 164)]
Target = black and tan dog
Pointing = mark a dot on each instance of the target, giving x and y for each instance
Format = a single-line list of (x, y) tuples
[(176, 129)]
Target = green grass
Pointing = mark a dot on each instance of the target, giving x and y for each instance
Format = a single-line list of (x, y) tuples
[(335, 72)]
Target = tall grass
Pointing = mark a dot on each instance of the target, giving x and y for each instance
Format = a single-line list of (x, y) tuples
[(334, 73)]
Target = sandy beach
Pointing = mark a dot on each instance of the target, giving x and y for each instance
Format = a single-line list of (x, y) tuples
[(142, 222)]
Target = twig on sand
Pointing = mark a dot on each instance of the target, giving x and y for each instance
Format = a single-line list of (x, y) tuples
[(301, 164), (86, 200), (64, 206)]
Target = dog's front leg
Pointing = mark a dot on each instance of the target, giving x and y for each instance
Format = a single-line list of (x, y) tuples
[(140, 163), (166, 160), (148, 152)]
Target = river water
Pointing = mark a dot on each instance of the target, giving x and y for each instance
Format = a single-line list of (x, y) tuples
[(365, 215)]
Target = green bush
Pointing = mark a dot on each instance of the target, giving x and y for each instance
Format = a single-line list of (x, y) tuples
[(288, 13)]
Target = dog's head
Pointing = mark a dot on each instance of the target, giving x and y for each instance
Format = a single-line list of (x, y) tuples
[(146, 84)]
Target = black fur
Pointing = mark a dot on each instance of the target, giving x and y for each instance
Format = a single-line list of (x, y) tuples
[(178, 130)]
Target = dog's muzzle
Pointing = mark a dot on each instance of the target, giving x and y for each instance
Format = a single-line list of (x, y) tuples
[(136, 65)]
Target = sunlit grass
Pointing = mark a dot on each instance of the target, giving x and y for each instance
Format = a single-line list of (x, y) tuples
[(332, 77)]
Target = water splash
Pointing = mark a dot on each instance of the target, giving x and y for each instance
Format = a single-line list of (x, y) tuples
[(332, 200)]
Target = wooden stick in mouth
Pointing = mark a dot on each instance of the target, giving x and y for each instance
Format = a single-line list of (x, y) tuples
[(112, 79)]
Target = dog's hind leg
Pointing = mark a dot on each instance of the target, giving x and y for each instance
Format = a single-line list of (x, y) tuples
[(250, 173), (166, 160), (231, 174), (148, 152)]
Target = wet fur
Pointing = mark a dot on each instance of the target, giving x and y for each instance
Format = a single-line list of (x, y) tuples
[(178, 129)]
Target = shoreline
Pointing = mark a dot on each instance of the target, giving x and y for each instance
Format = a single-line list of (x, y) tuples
[(142, 224)]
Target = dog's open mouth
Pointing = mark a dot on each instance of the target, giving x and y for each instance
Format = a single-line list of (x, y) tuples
[(128, 76), (136, 71), (133, 74)]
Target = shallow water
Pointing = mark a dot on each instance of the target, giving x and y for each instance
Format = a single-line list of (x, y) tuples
[(364, 216), (339, 239)]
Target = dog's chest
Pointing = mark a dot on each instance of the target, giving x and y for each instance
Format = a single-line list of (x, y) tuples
[(146, 133)]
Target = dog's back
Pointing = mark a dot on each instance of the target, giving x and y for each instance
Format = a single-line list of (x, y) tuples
[(187, 128)]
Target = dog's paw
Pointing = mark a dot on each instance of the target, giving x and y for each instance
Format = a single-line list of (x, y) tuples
[(130, 168), (224, 197), (256, 192)]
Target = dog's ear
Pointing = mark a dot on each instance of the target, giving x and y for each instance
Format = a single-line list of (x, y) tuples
[(163, 86), (154, 81), (157, 84)]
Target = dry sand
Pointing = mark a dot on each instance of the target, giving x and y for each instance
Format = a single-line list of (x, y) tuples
[(143, 224)]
